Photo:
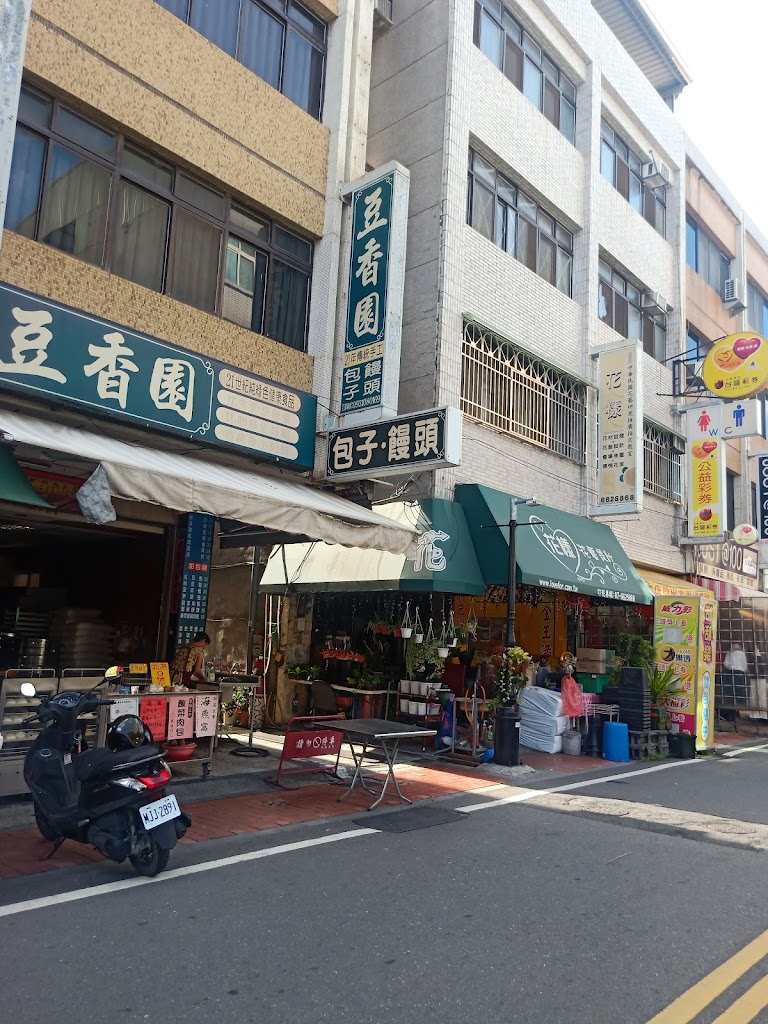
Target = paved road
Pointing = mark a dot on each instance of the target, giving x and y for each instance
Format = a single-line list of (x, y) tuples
[(586, 906)]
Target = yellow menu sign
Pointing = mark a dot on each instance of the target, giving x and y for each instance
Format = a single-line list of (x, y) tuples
[(137, 669), (161, 673)]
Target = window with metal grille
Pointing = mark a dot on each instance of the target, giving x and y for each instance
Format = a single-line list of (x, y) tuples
[(663, 460), (624, 170), (515, 53), (507, 216), (520, 395)]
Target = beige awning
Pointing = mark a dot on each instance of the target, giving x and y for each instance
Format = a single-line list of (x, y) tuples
[(191, 484)]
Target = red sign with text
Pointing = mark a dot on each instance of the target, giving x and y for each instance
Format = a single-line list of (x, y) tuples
[(312, 743), (153, 712)]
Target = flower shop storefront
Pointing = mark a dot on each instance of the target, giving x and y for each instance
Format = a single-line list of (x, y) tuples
[(379, 628)]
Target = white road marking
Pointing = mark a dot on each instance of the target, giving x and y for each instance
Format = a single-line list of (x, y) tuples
[(530, 794), (746, 750), (168, 876)]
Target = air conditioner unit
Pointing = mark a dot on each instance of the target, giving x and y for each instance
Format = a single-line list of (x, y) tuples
[(733, 293), (656, 174), (653, 304), (382, 14)]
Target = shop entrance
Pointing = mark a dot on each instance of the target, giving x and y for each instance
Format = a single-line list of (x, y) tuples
[(76, 596)]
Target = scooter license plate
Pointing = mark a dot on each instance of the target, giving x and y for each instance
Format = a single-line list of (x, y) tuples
[(156, 813)]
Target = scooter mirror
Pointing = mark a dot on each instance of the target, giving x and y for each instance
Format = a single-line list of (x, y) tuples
[(115, 670), (28, 690)]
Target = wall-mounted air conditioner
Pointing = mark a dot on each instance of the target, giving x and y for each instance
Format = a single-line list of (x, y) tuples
[(382, 14), (733, 292), (653, 304), (656, 174)]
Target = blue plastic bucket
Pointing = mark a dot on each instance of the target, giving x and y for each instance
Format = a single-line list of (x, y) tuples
[(616, 741)]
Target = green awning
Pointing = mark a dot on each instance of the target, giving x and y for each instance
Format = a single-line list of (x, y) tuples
[(14, 486), (559, 551), (445, 561)]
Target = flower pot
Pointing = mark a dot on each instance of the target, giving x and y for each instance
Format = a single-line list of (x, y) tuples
[(413, 707), (418, 638), (455, 642), (405, 632), (404, 706), (228, 718), (421, 708), (180, 752), (433, 710), (442, 652)]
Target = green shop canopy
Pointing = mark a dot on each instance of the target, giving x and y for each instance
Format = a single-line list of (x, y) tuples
[(558, 551), (444, 560), (14, 486)]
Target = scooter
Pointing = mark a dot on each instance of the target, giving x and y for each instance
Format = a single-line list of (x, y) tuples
[(113, 799)]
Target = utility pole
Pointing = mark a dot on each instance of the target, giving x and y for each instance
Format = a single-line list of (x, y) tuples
[(14, 21), (512, 566)]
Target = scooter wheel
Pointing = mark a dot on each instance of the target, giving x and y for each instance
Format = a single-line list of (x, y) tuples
[(152, 860), (44, 826)]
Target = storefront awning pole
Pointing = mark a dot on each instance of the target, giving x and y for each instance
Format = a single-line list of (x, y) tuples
[(257, 571)]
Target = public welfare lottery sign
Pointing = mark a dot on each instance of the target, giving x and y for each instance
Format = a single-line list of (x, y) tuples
[(425, 440), (706, 473), (53, 351), (371, 363), (620, 430), (737, 366)]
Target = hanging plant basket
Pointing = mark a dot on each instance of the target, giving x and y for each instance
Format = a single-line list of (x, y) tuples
[(442, 652), (472, 621), (418, 629), (406, 626)]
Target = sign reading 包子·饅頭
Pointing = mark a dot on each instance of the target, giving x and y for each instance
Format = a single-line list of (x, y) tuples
[(54, 352)]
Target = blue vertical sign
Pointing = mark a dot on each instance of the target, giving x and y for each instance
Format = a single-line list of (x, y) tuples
[(762, 510), (369, 271), (195, 576)]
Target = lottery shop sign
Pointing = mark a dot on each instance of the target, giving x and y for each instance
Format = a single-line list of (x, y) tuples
[(426, 440), (737, 366), (706, 474)]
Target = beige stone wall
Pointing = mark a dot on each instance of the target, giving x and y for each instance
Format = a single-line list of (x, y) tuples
[(710, 210), (154, 77), (45, 271), (757, 263)]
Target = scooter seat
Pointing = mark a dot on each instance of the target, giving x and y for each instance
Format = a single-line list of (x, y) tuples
[(93, 763)]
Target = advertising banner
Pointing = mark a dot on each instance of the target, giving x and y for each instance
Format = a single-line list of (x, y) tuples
[(706, 474), (762, 509), (706, 672), (676, 635), (620, 430)]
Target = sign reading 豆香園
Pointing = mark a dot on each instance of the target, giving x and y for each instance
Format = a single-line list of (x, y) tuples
[(370, 371), (50, 350), (426, 440)]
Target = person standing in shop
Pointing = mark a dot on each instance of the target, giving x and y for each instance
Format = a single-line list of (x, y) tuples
[(188, 665)]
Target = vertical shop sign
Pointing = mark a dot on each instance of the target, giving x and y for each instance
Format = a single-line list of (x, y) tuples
[(195, 576), (706, 672), (206, 713), (181, 718), (706, 473), (371, 361), (153, 712), (762, 509), (676, 635), (619, 430)]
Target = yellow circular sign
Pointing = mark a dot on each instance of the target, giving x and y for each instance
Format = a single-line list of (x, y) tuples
[(737, 366)]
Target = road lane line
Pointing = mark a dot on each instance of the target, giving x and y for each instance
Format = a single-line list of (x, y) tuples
[(529, 794), (691, 1003), (168, 876), (745, 750), (747, 1007)]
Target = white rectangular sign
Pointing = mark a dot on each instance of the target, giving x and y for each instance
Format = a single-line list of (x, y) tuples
[(739, 419), (620, 430)]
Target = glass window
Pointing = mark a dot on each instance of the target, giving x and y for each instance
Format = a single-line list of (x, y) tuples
[(74, 214), (34, 108), (146, 168), (246, 280), (286, 312), (482, 210), (303, 73), (200, 197), (217, 21), (519, 56), (251, 223), (85, 134), (195, 267), (25, 183), (623, 169), (292, 244), (282, 43), (261, 43), (141, 235), (619, 305)]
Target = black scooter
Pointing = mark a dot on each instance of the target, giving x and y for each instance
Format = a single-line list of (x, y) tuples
[(114, 800)]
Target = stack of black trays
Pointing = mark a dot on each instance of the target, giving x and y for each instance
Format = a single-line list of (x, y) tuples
[(635, 700)]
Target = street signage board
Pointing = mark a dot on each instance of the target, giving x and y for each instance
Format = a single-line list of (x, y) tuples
[(737, 366), (373, 322), (762, 509), (424, 440), (728, 562), (706, 474), (619, 430), (51, 351)]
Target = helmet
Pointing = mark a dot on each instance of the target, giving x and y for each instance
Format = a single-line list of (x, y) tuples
[(126, 732)]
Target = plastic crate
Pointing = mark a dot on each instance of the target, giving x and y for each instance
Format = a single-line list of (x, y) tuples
[(593, 683)]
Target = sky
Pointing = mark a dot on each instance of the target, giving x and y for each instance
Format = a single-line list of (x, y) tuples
[(724, 46)]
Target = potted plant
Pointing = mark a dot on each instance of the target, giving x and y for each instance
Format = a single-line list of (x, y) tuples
[(240, 706), (418, 629), (227, 713), (511, 679), (406, 626), (663, 684)]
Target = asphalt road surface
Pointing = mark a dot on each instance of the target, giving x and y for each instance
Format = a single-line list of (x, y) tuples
[(597, 904)]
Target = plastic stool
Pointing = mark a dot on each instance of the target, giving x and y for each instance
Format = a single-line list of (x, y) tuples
[(616, 741)]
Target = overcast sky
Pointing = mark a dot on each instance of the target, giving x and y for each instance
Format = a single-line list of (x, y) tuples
[(724, 45)]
